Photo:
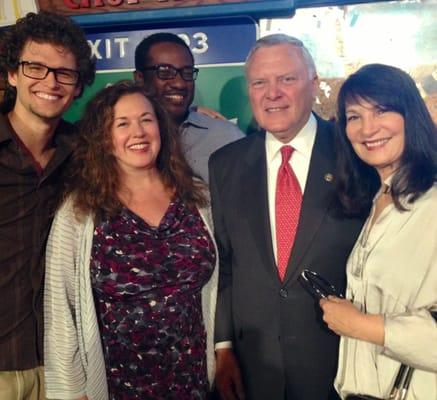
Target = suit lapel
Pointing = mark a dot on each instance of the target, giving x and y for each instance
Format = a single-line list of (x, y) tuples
[(317, 198), (255, 198)]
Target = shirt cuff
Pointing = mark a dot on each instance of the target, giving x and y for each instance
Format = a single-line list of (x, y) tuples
[(223, 345)]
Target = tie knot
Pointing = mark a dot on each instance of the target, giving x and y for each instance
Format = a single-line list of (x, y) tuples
[(286, 152)]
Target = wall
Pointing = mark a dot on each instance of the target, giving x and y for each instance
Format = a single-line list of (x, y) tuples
[(342, 39)]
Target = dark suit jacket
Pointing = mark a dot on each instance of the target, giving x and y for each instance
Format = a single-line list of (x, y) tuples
[(276, 328)]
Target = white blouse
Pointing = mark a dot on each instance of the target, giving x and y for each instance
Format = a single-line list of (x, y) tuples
[(392, 271)]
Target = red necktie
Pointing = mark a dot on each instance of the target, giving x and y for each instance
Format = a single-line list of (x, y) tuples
[(287, 209)]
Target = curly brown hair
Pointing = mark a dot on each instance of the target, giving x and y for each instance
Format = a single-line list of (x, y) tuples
[(94, 180), (44, 27)]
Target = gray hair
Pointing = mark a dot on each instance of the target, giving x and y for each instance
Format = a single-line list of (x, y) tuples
[(281, 38)]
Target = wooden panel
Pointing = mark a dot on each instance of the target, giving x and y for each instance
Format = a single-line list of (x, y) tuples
[(79, 7), (127, 12)]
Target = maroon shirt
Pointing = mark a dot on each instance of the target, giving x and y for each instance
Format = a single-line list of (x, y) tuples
[(28, 196)]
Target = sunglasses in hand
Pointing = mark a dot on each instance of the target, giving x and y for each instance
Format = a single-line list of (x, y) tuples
[(317, 286)]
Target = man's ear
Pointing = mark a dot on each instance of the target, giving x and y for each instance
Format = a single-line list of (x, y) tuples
[(138, 77), (12, 78), (78, 91), (315, 85)]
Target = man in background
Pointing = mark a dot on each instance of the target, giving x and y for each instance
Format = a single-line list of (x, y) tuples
[(275, 214), (165, 64), (45, 60)]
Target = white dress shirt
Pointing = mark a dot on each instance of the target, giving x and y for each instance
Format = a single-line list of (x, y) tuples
[(303, 144)]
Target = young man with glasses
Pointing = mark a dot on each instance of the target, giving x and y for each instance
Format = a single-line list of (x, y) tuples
[(46, 63), (165, 64)]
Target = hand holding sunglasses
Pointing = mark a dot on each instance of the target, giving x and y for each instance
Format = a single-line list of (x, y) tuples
[(317, 286)]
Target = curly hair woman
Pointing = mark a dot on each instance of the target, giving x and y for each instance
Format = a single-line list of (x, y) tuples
[(131, 262)]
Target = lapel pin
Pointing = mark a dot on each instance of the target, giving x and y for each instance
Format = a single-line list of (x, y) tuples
[(329, 177)]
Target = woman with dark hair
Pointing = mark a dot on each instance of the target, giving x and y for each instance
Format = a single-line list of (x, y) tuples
[(131, 262), (387, 154)]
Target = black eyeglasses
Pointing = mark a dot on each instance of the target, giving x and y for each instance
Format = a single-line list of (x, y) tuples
[(40, 71), (317, 286), (167, 72)]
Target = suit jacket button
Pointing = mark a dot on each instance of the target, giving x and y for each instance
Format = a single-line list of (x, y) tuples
[(283, 293)]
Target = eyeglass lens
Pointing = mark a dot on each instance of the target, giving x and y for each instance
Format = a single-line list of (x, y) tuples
[(40, 71), (169, 72)]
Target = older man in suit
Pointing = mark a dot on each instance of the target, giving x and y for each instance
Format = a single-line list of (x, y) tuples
[(275, 214)]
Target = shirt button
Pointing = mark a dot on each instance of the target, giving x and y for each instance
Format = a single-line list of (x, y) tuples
[(283, 293)]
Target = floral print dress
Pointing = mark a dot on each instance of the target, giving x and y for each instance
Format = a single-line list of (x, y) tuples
[(147, 285)]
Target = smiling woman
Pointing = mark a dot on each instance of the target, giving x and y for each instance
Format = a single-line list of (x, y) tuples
[(135, 135), (385, 107), (377, 135), (131, 274), (387, 150)]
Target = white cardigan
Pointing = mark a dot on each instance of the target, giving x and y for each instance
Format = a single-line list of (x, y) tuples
[(74, 363)]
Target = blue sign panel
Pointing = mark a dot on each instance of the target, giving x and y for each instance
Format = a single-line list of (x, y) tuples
[(219, 42)]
